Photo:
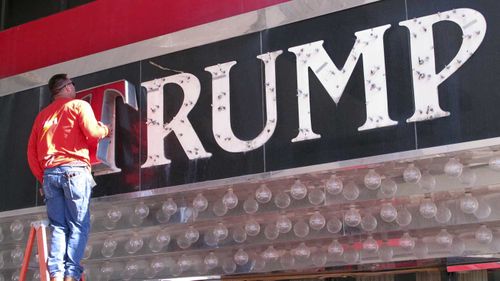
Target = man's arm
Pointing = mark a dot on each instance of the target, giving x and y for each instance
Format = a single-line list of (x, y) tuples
[(33, 155), (91, 128)]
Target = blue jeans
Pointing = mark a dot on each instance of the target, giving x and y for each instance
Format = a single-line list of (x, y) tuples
[(67, 196)]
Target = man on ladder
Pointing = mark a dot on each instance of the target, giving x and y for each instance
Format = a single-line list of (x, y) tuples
[(58, 155)]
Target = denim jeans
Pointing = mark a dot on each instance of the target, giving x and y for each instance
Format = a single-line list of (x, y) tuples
[(67, 196)]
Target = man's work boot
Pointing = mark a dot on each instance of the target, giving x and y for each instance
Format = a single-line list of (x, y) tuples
[(69, 278)]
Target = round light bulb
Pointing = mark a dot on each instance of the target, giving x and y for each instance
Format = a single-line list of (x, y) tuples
[(169, 207), (388, 213), (301, 252), (483, 210), (131, 269), (334, 185), (211, 261), (271, 231), (263, 194), (17, 255), (200, 203), (483, 235), (17, 230), (421, 249), (372, 180), (252, 227), (370, 245), (468, 204), (113, 215), (220, 231), (298, 190), (240, 257), (284, 224), (282, 200), (183, 242), (335, 248), (443, 238), (457, 247), (352, 217), (369, 222), (317, 221), (219, 208), (351, 256), (259, 265), (494, 163), (427, 208), (134, 244), (230, 199), (428, 182), (301, 229), (443, 214), (388, 188), (287, 261), (228, 266), (453, 167), (141, 210), (185, 263), (316, 196), (406, 242), (404, 217), (468, 177), (270, 254), (351, 191), (108, 247), (239, 234), (412, 174), (192, 234), (386, 253), (334, 225), (159, 240), (319, 258), (250, 206)]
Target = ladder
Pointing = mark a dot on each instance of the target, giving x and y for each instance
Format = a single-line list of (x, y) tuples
[(39, 231)]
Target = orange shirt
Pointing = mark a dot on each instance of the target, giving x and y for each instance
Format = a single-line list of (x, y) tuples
[(60, 133)]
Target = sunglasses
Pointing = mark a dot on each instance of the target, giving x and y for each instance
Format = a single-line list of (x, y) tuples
[(68, 82)]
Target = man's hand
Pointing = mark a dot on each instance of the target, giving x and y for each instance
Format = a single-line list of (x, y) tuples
[(40, 190)]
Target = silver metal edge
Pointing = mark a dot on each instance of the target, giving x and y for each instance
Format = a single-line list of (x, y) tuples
[(256, 178), (246, 23)]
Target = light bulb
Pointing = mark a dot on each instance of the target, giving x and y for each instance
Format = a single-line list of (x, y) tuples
[(427, 208), (252, 227), (200, 203), (421, 249), (141, 211), (453, 167), (263, 194), (228, 266), (317, 221), (250, 206), (301, 252), (259, 265), (284, 224), (316, 196), (17, 255), (412, 174), (443, 238), (457, 247), (220, 231), (219, 208), (175, 269), (169, 207), (108, 247), (388, 188), (427, 182), (319, 258), (282, 200), (131, 269), (372, 180), (271, 231), (406, 242), (211, 261), (17, 230), (287, 261), (483, 235), (184, 263), (159, 240), (370, 245), (468, 204), (494, 163), (388, 213), (386, 253), (334, 225), (369, 222), (483, 210), (352, 217), (334, 185), (443, 214), (183, 242), (230, 199), (351, 191), (270, 254), (210, 239), (404, 217), (161, 217), (301, 229), (134, 244), (298, 190), (239, 234), (240, 257), (192, 234), (468, 177), (106, 271), (351, 255), (335, 248)]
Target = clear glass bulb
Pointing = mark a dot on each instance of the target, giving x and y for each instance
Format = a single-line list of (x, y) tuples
[(134, 244), (404, 217), (372, 180), (184, 263), (352, 217), (252, 227), (483, 210), (17, 230), (131, 269), (370, 245), (108, 247), (335, 248), (421, 250), (468, 204), (240, 257), (284, 224), (406, 242), (210, 239), (287, 261), (271, 231), (159, 240), (169, 207), (192, 234), (443, 238), (427, 208), (106, 271), (483, 235), (230, 199), (200, 203), (319, 258), (301, 229), (369, 222), (282, 200), (388, 188), (239, 234), (228, 266), (270, 254), (263, 194), (386, 253), (388, 213), (453, 167), (468, 177), (443, 214), (141, 210), (259, 265), (412, 174), (351, 255), (334, 185), (494, 163), (317, 221), (298, 190), (17, 255), (113, 215), (428, 182), (457, 247), (183, 242), (334, 225), (211, 261), (316, 196), (219, 208), (301, 252), (250, 206), (351, 191), (220, 231)]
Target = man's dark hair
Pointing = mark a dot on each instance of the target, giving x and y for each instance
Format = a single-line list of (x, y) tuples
[(56, 81)]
